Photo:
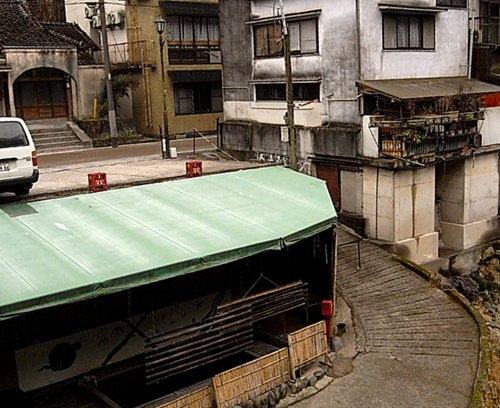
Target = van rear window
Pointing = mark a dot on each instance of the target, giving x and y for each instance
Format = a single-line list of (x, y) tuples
[(12, 135)]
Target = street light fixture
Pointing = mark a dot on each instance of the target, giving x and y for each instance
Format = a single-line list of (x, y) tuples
[(160, 25)]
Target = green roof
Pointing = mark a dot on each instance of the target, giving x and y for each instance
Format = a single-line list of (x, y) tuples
[(68, 249)]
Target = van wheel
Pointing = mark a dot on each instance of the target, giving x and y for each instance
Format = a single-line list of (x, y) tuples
[(22, 191)]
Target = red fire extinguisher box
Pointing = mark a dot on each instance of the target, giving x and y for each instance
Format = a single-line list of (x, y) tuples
[(326, 308)]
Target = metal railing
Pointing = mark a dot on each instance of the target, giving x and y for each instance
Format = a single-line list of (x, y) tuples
[(487, 30), (136, 53)]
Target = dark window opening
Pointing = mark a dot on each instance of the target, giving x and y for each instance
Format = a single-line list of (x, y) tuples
[(452, 3), (277, 92), (196, 98)]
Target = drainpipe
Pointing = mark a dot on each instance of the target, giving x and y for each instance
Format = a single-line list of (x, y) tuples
[(471, 39)]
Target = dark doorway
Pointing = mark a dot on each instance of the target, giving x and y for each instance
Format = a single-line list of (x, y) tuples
[(332, 177), (41, 94)]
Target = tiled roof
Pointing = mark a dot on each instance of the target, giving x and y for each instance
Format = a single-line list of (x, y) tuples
[(19, 28), (73, 34)]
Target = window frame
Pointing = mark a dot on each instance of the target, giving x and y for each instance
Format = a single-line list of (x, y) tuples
[(275, 27), (198, 97), (195, 50), (452, 3), (425, 22), (302, 91)]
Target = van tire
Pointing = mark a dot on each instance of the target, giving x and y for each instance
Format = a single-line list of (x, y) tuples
[(22, 191)]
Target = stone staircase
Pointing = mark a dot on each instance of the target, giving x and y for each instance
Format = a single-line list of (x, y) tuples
[(57, 136)]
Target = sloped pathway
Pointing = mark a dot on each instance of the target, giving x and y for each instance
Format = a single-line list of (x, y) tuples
[(418, 347)]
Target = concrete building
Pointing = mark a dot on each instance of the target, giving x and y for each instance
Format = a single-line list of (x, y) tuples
[(88, 17), (385, 112), (191, 64), (43, 63)]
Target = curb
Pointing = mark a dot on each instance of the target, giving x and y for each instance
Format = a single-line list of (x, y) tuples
[(484, 359)]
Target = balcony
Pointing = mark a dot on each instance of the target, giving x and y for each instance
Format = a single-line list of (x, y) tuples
[(133, 54), (486, 30), (428, 134)]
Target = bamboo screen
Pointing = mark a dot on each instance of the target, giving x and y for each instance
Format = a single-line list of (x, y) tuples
[(306, 345), (198, 399), (251, 379)]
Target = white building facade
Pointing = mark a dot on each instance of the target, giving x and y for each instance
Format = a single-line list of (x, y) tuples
[(385, 110)]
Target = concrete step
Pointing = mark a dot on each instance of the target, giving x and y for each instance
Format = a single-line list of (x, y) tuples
[(54, 136)]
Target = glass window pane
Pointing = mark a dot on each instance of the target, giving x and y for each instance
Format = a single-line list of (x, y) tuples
[(187, 31), (183, 99), (402, 30), (261, 41), (201, 31), (173, 30), (415, 32), (43, 93), (213, 30), (275, 43), (12, 134), (308, 41), (27, 93), (58, 90), (294, 31), (428, 33), (390, 27)]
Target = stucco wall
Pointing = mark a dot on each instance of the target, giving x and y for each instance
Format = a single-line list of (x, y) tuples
[(24, 60), (448, 59), (91, 80)]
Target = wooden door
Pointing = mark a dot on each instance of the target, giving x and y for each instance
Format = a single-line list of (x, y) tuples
[(332, 177)]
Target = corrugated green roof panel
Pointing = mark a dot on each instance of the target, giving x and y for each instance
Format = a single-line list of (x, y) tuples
[(63, 250)]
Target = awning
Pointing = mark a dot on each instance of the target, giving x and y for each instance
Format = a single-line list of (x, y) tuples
[(424, 88), (410, 9), (210, 75), (69, 249)]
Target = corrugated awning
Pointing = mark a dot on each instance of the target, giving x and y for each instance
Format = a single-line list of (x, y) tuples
[(195, 76), (69, 249), (409, 9), (425, 88)]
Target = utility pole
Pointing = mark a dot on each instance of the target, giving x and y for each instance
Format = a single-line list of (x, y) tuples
[(290, 115), (107, 72)]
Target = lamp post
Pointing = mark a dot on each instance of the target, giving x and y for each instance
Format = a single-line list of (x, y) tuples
[(160, 25)]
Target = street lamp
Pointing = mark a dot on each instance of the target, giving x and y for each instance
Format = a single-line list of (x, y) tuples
[(160, 25)]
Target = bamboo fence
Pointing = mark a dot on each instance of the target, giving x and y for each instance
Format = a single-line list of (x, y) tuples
[(198, 399), (306, 345), (251, 379)]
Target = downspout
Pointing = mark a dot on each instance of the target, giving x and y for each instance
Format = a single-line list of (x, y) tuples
[(471, 39)]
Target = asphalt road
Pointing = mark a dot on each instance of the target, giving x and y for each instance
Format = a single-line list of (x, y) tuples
[(123, 151)]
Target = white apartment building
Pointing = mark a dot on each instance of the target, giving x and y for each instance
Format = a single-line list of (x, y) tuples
[(385, 108)]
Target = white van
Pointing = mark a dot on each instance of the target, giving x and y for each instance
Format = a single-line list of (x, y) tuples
[(18, 161)]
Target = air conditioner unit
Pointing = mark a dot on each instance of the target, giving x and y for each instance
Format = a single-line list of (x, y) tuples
[(96, 21), (91, 11), (112, 18)]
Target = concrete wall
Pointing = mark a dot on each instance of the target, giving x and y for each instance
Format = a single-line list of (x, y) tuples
[(469, 195), (91, 80), (399, 207), (448, 59), (489, 128), (24, 60)]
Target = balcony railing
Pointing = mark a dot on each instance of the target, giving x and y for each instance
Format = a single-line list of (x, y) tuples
[(431, 134), (486, 30), (133, 54)]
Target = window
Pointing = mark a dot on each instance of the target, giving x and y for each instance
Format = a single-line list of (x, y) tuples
[(408, 32), (303, 38), (452, 3), (277, 92), (197, 98), (193, 40)]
